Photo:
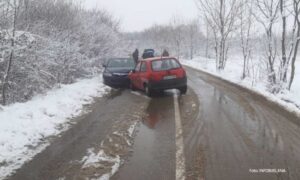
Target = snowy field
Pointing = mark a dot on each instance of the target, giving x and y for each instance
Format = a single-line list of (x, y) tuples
[(257, 82), (25, 127)]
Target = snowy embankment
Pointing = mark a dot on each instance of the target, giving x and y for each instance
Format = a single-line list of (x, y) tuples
[(290, 100), (25, 127)]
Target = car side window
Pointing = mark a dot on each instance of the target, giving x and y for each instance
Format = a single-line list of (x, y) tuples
[(143, 67), (175, 64), (138, 67)]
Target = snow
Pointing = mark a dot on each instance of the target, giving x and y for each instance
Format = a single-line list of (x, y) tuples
[(94, 160), (25, 127), (105, 158), (290, 100), (131, 129)]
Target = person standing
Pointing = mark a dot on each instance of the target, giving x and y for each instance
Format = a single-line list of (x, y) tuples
[(165, 53), (135, 56)]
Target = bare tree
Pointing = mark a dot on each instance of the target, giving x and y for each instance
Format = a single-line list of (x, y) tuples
[(267, 15), (207, 34), (246, 23), (221, 16), (296, 40), (283, 63), (177, 34), (181, 38), (193, 32), (14, 5)]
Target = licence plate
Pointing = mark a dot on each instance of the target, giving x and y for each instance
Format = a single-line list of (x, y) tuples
[(169, 77)]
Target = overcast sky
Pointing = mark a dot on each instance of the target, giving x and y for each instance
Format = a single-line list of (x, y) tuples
[(136, 15)]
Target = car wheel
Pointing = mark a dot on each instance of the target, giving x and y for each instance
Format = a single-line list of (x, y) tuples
[(148, 90), (183, 90)]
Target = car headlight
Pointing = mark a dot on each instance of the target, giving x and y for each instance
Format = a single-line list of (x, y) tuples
[(107, 74)]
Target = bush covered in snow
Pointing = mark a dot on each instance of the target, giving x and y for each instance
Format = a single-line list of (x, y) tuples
[(45, 43)]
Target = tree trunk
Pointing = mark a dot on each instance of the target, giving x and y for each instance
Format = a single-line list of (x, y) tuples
[(272, 75), (293, 66), (244, 68), (222, 43), (9, 65), (283, 70), (192, 52), (207, 41)]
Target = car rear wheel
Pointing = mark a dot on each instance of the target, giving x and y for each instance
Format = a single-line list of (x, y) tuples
[(183, 90), (148, 90)]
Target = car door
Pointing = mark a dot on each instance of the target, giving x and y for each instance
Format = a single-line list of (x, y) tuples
[(134, 76), (142, 76)]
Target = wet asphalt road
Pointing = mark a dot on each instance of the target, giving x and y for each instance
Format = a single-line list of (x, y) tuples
[(61, 160), (228, 134), (153, 154), (243, 133)]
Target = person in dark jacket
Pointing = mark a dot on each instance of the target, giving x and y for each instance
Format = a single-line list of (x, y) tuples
[(135, 56), (165, 53)]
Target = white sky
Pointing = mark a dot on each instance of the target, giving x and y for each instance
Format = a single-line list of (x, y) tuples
[(136, 15)]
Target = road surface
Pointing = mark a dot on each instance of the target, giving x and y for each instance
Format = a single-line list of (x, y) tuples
[(216, 131)]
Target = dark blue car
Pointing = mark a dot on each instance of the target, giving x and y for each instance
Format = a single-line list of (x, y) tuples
[(116, 72), (148, 53)]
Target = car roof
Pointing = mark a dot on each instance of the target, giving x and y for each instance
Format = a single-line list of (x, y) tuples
[(158, 58), (148, 50)]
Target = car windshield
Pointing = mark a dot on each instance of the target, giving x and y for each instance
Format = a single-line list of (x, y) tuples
[(165, 64), (121, 63)]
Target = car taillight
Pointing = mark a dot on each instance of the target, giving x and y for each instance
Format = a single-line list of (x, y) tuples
[(184, 73)]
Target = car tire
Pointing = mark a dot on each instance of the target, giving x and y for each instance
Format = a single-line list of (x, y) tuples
[(183, 90), (148, 90)]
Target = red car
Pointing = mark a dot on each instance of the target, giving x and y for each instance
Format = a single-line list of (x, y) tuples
[(158, 74)]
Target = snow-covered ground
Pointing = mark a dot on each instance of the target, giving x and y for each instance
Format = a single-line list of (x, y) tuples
[(25, 127), (257, 82)]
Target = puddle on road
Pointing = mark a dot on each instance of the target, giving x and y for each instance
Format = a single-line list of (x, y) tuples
[(239, 127), (154, 147), (157, 108), (156, 111), (153, 153)]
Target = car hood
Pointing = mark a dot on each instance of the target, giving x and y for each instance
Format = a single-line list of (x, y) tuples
[(119, 70)]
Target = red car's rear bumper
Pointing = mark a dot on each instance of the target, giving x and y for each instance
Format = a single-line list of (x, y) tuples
[(168, 84)]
